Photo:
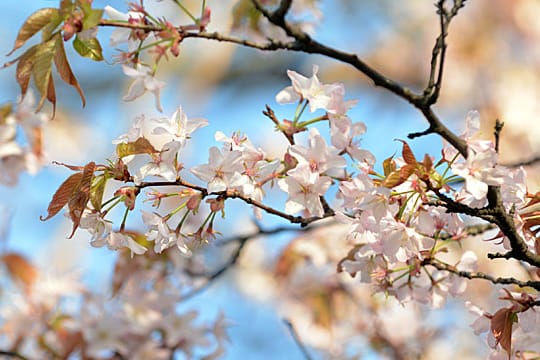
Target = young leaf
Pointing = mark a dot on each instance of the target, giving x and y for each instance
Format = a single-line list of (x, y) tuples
[(96, 193), (20, 270), (140, 146), (51, 94), (393, 179), (33, 24), (24, 69), (62, 195), (501, 328), (62, 65), (42, 68), (406, 170), (81, 195), (407, 154), (92, 18), (89, 48), (389, 165)]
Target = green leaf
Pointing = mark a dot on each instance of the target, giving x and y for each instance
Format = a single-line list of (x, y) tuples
[(89, 48), (140, 146), (92, 17), (5, 111), (96, 192), (24, 68), (42, 68), (33, 24), (62, 65), (389, 165)]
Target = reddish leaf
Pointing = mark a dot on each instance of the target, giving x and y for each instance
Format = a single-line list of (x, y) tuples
[(20, 270), (33, 24), (71, 167), (406, 171), (51, 95), (428, 163), (62, 195), (501, 328), (80, 197), (407, 154), (62, 65), (139, 146)]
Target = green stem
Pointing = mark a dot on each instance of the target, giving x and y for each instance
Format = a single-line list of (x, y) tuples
[(123, 224), (181, 222), (118, 200), (186, 11), (312, 121), (203, 6), (299, 111)]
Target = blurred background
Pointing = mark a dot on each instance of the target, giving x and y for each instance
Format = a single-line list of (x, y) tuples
[(492, 65)]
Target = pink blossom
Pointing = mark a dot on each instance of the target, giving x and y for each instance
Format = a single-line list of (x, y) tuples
[(304, 188), (220, 169), (144, 81)]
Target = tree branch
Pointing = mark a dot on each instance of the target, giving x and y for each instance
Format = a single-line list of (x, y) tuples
[(233, 194), (242, 240), (479, 275), (532, 161), (297, 339)]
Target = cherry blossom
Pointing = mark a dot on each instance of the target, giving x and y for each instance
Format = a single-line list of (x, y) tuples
[(162, 236), (178, 127), (319, 156), (304, 188), (121, 35), (319, 95), (163, 164), (143, 81), (220, 169)]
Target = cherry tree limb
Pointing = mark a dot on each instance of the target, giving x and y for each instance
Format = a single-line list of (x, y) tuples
[(234, 194), (479, 275)]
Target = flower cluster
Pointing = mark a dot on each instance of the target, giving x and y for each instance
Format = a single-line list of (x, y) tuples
[(142, 321), (16, 157)]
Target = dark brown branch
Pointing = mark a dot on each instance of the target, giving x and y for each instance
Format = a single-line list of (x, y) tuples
[(233, 194), (532, 161), (12, 355), (437, 58), (480, 275), (497, 133), (495, 213)]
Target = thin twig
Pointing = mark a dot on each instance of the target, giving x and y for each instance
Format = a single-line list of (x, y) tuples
[(233, 194), (532, 161), (242, 240), (296, 339), (480, 275), (13, 355), (497, 133)]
